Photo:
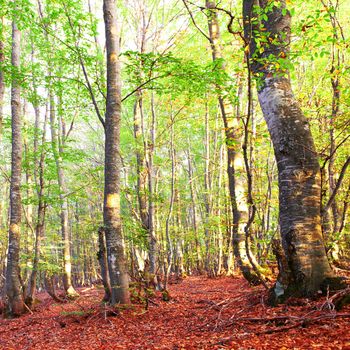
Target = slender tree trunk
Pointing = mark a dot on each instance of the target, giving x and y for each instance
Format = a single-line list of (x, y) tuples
[(220, 269), (57, 144), (170, 247), (207, 196), (151, 205), (142, 174), (40, 220), (111, 211), (199, 263), (102, 259), (298, 168), (14, 302), (28, 211), (235, 161), (145, 148), (179, 258), (337, 59)]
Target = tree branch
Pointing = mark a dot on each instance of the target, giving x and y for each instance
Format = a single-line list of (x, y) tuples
[(143, 84), (337, 186), (194, 21)]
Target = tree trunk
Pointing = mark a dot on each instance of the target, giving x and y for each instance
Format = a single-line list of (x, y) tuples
[(2, 82), (170, 248), (57, 144), (207, 194), (14, 303), (178, 250), (298, 168), (111, 211), (337, 60), (40, 221), (28, 211), (235, 161), (220, 268), (2, 191), (199, 262), (142, 175), (102, 259), (152, 238)]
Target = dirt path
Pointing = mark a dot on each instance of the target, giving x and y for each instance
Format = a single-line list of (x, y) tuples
[(202, 314)]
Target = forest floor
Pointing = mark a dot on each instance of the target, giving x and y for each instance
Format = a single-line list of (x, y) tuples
[(203, 313)]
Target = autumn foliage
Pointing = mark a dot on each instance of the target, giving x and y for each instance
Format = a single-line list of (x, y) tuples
[(203, 313)]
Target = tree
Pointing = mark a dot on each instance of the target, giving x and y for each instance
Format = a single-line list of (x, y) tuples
[(2, 83), (111, 209), (235, 161), (57, 142), (39, 164), (15, 303), (267, 28)]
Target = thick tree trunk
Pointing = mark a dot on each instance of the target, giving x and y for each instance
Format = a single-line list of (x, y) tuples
[(14, 303), (111, 211), (235, 161), (298, 168), (2, 82), (2, 93)]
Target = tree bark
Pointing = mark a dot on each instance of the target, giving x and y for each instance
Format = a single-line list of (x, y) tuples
[(152, 238), (207, 194), (235, 161), (111, 211), (199, 260), (337, 61), (298, 168), (40, 220), (220, 269), (2, 82), (170, 247), (15, 303), (142, 175), (2, 93), (29, 234), (57, 144), (102, 259), (145, 147)]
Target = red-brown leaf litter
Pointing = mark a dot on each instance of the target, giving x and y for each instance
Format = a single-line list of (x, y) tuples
[(203, 313)]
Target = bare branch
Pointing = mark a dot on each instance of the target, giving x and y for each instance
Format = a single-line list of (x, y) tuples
[(337, 186), (194, 22)]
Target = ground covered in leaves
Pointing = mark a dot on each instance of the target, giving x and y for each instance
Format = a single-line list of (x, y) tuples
[(203, 313)]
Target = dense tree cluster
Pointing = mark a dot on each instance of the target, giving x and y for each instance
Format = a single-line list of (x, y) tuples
[(146, 138)]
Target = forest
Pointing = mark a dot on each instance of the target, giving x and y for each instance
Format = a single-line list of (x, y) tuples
[(174, 174)]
